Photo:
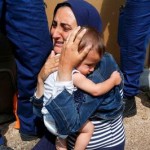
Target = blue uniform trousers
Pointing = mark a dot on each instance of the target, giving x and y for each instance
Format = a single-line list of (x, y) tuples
[(1, 140), (133, 38), (27, 27)]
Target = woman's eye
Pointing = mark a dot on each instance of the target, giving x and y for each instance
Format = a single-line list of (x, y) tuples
[(54, 24), (67, 29)]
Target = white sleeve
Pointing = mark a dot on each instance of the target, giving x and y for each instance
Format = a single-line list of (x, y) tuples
[(60, 86), (56, 89)]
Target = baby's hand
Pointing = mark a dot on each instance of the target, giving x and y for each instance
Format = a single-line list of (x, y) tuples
[(116, 77)]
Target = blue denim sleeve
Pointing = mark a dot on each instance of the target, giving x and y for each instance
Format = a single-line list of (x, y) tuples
[(37, 105), (66, 115)]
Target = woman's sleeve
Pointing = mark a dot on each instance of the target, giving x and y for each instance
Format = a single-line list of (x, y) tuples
[(57, 89), (66, 115)]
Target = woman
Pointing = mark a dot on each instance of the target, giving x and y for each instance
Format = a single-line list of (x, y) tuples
[(67, 16)]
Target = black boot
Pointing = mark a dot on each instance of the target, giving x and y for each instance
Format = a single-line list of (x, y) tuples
[(130, 107), (26, 137)]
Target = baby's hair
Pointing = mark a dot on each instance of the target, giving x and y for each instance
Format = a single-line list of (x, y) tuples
[(92, 36)]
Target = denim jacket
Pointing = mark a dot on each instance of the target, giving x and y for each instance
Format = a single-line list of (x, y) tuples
[(69, 118), (111, 103)]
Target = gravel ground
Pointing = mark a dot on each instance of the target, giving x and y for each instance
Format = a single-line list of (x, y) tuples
[(137, 130)]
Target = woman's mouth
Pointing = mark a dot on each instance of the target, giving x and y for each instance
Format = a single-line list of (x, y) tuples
[(58, 44)]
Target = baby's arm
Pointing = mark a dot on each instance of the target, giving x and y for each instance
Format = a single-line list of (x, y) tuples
[(83, 83)]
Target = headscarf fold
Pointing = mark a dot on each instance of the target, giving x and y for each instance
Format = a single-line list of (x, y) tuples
[(85, 13)]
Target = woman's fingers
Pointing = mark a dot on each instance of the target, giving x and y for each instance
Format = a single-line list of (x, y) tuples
[(73, 34), (86, 50), (50, 66), (70, 49), (52, 54), (52, 60), (76, 35), (79, 36)]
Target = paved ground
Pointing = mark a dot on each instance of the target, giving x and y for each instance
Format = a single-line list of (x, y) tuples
[(138, 127), (137, 130)]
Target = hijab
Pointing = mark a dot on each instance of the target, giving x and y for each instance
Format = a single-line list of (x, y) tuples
[(85, 13)]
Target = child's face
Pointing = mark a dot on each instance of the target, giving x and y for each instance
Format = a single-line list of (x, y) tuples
[(88, 65)]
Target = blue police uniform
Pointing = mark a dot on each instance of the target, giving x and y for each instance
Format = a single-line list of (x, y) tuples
[(133, 38), (26, 26)]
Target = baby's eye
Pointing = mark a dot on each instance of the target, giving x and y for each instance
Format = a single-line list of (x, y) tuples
[(87, 66)]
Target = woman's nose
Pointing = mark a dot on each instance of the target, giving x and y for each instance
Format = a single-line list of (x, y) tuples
[(56, 33)]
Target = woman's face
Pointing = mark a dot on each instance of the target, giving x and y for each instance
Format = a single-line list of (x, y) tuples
[(64, 22)]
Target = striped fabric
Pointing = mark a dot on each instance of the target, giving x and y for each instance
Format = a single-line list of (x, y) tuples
[(106, 134)]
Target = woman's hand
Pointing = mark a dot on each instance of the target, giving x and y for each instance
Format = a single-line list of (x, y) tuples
[(51, 65), (70, 56)]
